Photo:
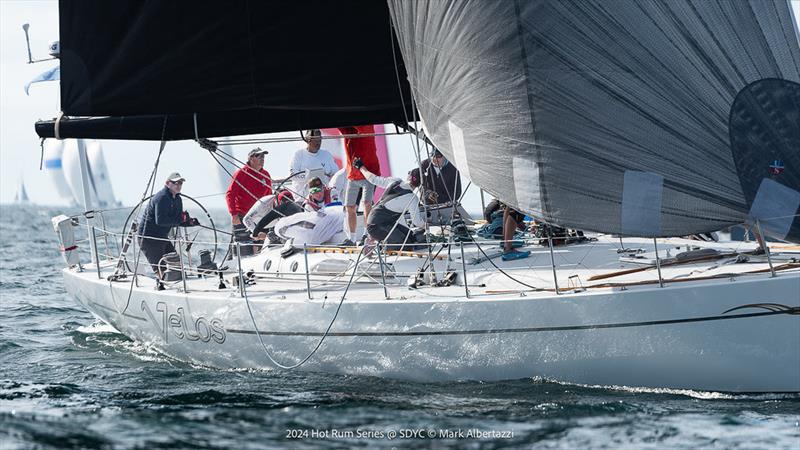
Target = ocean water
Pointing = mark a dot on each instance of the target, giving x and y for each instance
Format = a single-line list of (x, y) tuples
[(69, 381)]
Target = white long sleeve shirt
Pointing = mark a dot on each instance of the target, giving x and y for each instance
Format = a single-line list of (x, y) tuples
[(408, 202), (303, 160)]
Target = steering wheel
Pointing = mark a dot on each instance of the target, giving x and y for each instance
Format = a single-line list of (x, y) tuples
[(133, 213)]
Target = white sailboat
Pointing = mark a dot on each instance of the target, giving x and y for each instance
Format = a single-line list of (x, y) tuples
[(643, 119), (53, 166), (21, 196), (101, 190)]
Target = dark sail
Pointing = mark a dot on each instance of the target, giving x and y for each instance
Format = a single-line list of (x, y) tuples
[(243, 66), (614, 116)]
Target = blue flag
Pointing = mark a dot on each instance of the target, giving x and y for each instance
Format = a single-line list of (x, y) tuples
[(51, 75)]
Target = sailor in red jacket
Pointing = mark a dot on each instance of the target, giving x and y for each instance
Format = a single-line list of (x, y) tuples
[(249, 183), (363, 148)]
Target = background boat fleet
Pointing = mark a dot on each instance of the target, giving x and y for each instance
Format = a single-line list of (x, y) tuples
[(62, 166)]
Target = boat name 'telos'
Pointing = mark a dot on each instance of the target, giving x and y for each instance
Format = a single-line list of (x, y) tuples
[(179, 322)]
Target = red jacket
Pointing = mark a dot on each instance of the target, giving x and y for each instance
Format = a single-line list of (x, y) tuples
[(362, 147), (258, 183)]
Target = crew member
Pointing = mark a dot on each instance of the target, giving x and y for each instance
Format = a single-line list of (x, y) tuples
[(164, 211), (386, 221), (266, 210), (364, 149), (440, 179), (318, 196), (309, 158), (248, 184), (513, 220)]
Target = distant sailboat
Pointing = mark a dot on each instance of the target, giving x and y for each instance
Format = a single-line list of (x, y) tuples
[(21, 197), (100, 189), (53, 152), (99, 177)]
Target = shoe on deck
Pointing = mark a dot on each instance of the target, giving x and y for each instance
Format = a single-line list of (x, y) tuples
[(512, 255), (348, 243)]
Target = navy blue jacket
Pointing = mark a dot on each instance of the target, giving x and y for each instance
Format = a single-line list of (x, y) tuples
[(162, 213)]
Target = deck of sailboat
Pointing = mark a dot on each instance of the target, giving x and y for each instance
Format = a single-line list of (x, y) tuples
[(597, 266)]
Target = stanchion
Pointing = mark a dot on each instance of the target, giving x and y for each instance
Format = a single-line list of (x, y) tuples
[(383, 272), (658, 264), (763, 243), (239, 262), (308, 276), (464, 269), (183, 270), (94, 252), (552, 258)]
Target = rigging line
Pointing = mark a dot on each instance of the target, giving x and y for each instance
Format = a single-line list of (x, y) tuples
[(416, 133), (498, 268), (151, 185), (274, 189), (324, 335), (216, 159), (232, 160), (233, 179)]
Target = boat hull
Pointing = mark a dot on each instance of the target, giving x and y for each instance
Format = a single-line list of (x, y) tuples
[(675, 337)]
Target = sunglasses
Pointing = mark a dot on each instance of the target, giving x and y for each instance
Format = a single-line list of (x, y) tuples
[(179, 182)]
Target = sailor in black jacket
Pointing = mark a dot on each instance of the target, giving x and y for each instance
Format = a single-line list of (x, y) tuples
[(164, 211), (441, 177)]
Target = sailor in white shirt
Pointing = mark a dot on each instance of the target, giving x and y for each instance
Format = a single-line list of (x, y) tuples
[(386, 222), (310, 158)]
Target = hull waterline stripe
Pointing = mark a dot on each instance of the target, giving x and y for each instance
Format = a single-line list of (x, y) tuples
[(510, 330)]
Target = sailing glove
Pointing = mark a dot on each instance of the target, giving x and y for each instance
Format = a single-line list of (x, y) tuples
[(187, 221), (357, 163)]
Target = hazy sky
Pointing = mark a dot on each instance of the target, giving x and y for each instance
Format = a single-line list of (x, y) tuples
[(129, 163)]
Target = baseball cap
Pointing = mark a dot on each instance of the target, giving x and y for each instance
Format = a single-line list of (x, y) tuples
[(307, 134), (175, 176), (437, 153), (257, 151)]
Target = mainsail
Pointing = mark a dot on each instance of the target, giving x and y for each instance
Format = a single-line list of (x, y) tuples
[(646, 118)]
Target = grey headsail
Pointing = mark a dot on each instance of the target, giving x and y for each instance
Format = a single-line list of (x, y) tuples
[(613, 116)]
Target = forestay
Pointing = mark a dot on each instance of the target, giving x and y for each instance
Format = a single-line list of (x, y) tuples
[(646, 118)]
